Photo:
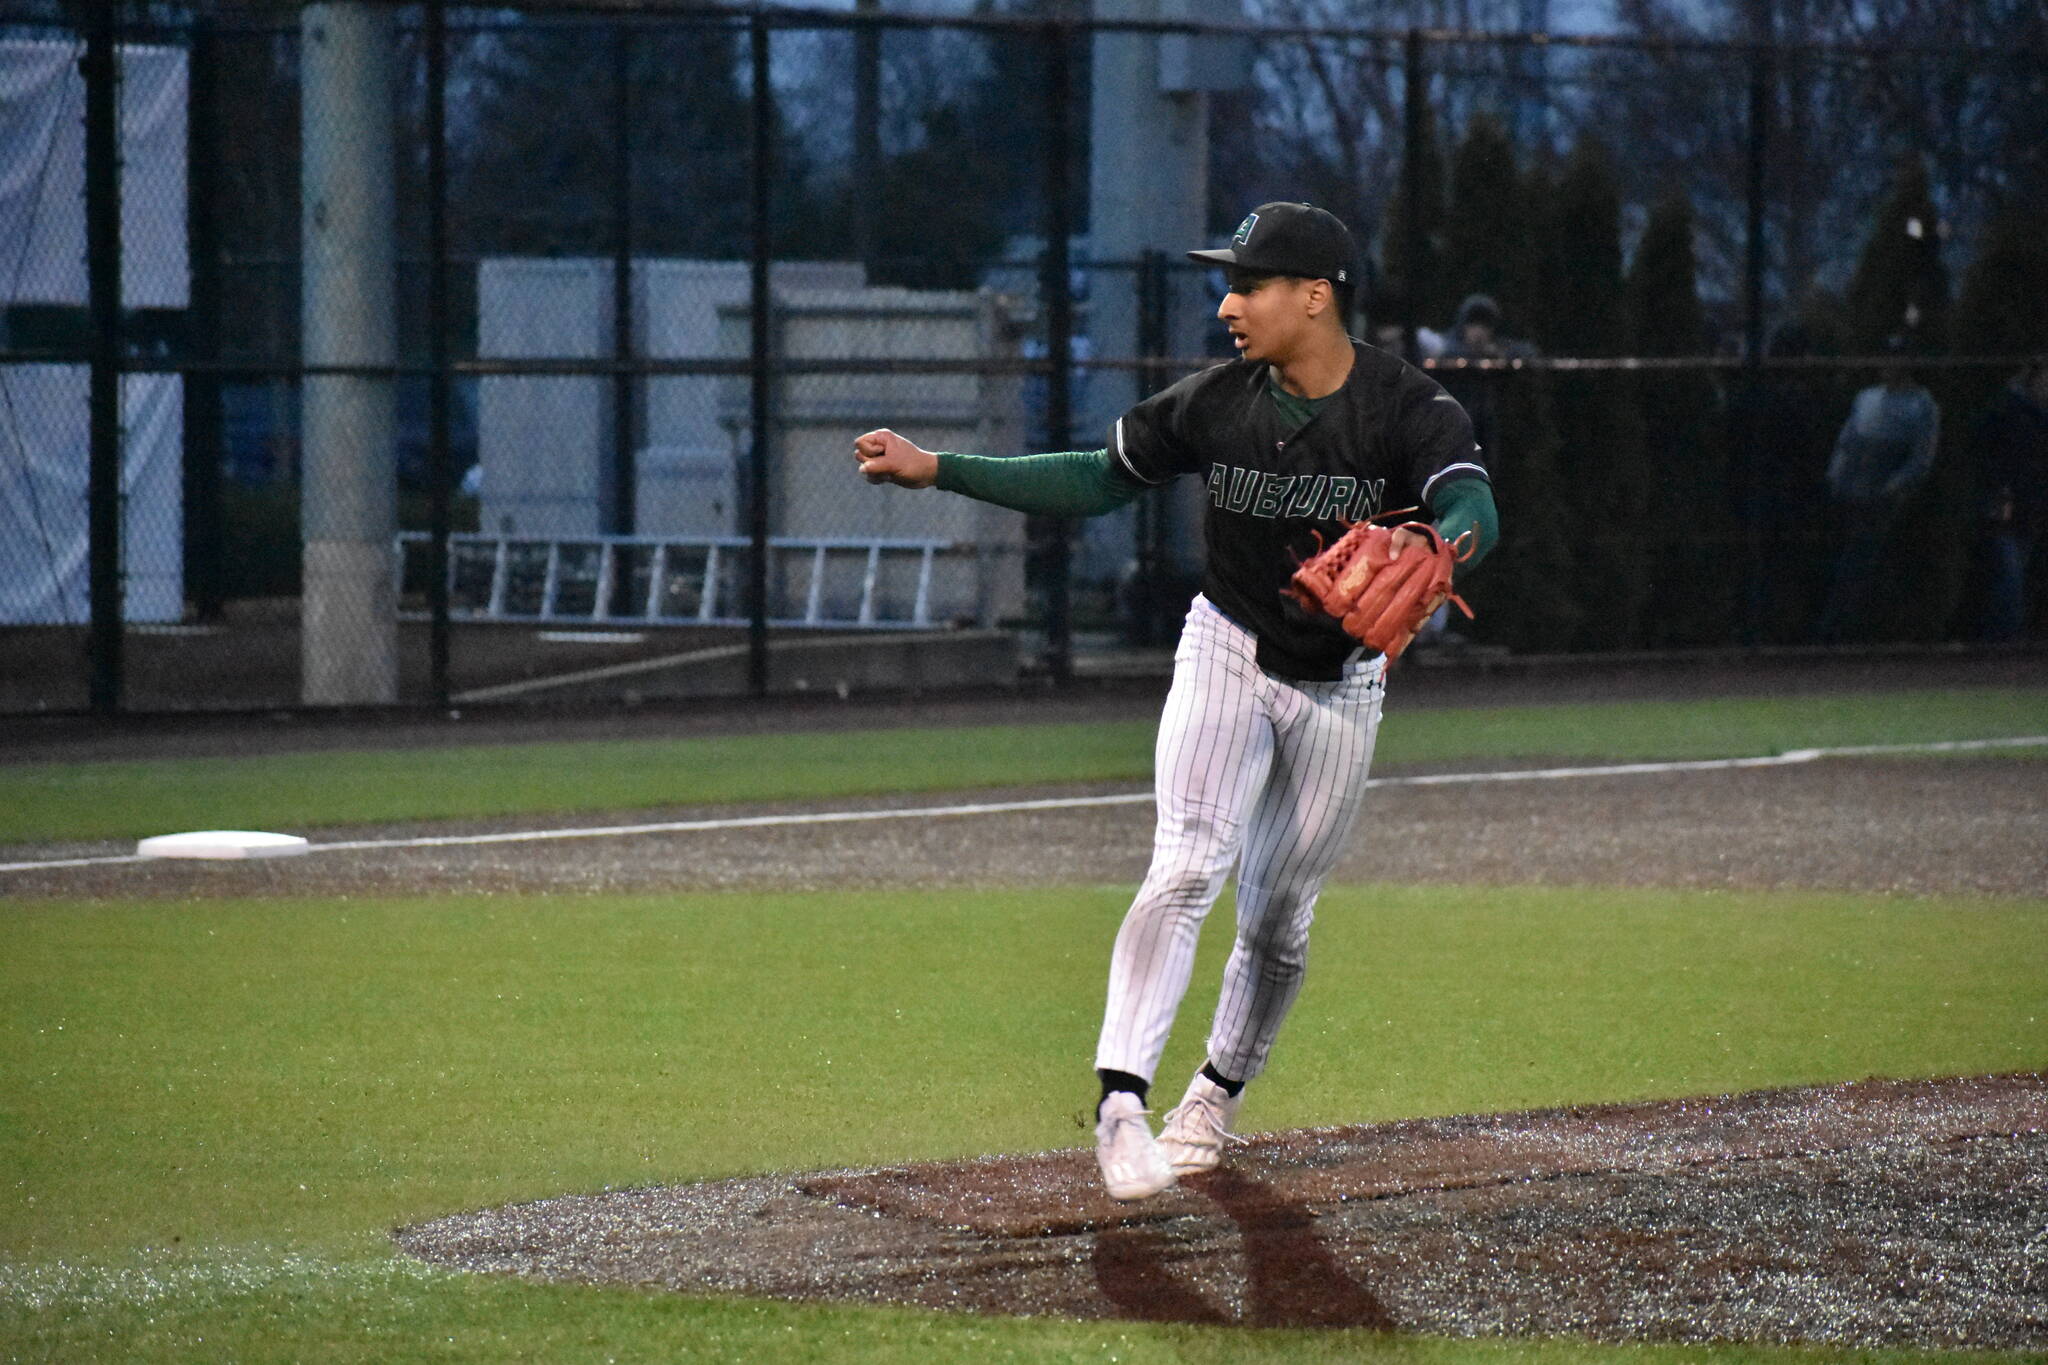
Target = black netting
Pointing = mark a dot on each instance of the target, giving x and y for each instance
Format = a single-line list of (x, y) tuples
[(1657, 255)]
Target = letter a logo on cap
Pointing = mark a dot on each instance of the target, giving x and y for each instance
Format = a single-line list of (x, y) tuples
[(1244, 229)]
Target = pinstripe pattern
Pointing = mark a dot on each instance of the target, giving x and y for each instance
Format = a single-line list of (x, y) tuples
[(1250, 771)]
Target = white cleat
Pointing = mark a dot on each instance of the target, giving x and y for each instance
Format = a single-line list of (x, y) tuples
[(1197, 1128), (1132, 1165)]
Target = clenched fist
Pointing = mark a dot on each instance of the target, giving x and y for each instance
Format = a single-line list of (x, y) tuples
[(885, 457)]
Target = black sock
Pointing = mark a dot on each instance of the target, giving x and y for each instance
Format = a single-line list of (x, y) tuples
[(1230, 1087), (1122, 1080)]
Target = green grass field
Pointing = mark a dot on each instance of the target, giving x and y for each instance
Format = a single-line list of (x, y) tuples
[(131, 799), (215, 1111)]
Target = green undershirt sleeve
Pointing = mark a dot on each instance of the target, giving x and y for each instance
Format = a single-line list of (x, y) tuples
[(1461, 506), (1069, 483), (1086, 483)]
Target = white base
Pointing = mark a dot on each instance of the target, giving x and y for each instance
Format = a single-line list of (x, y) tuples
[(221, 843)]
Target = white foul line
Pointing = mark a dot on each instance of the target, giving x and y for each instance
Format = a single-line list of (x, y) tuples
[(841, 817)]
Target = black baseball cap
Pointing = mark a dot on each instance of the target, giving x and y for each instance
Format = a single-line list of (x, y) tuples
[(1288, 239)]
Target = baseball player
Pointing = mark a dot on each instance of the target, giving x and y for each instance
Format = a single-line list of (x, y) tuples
[(1268, 727)]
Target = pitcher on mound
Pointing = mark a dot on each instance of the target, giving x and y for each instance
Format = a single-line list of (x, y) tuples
[(1267, 732)]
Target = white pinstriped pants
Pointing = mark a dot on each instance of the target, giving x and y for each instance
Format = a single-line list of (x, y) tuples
[(1252, 771)]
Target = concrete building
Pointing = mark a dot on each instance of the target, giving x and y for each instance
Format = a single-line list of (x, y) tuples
[(546, 442)]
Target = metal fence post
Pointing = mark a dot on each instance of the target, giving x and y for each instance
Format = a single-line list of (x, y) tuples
[(101, 72), (1051, 534), (1748, 472), (1415, 89), (439, 460), (1154, 344), (622, 489), (867, 128), (204, 435), (761, 383)]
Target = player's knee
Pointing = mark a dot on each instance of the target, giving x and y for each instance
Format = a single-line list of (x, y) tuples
[(1279, 957), (1179, 887), (1274, 925)]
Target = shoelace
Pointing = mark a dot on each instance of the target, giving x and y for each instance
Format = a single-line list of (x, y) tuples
[(1212, 1125)]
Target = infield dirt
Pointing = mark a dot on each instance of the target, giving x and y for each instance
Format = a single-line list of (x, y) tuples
[(1878, 1213)]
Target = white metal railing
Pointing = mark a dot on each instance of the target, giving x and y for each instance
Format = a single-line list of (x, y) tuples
[(842, 582)]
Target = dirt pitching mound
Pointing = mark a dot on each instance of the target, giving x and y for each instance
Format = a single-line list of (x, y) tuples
[(1876, 1213)]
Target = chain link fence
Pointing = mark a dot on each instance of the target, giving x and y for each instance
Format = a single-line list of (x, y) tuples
[(371, 354)]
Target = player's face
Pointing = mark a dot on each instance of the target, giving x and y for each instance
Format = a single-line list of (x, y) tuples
[(1268, 315)]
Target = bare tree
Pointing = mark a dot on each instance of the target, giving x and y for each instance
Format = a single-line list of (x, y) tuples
[(1854, 85)]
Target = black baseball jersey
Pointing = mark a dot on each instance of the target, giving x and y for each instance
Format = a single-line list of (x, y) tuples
[(1388, 439)]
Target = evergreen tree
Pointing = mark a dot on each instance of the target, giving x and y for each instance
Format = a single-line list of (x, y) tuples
[(1600, 428), (1487, 237), (966, 134), (534, 171), (1689, 523), (1900, 288), (1998, 308), (1997, 313), (1661, 294), (1421, 283), (1542, 251), (1520, 595), (1582, 296), (1522, 592), (941, 227)]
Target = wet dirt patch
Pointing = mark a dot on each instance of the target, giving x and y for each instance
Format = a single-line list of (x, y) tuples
[(1876, 1213)]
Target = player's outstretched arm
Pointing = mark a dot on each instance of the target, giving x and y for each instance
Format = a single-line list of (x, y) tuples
[(1067, 483), (885, 457)]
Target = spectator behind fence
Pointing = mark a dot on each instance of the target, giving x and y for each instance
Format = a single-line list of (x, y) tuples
[(1475, 335), (1389, 324), (1883, 453), (2011, 439)]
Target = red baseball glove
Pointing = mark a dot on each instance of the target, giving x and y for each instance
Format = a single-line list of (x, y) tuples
[(1381, 601)]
